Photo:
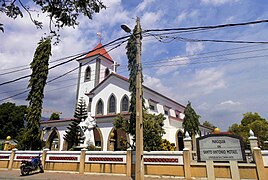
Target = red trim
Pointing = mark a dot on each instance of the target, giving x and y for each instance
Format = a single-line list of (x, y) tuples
[(175, 118), (99, 50), (59, 158), (111, 115), (4, 157), (55, 121), (221, 132), (105, 159), (25, 157), (165, 106), (162, 160), (153, 101)]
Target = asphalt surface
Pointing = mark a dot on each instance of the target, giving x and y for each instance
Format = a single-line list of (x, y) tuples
[(48, 175)]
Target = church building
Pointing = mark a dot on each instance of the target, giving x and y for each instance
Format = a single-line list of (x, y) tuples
[(106, 94)]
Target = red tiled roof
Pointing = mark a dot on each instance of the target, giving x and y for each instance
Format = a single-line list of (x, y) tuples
[(99, 50), (55, 121)]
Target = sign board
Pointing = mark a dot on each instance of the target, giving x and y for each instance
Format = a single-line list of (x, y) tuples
[(220, 147)]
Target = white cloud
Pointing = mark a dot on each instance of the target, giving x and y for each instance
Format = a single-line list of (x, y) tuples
[(180, 18), (151, 19), (171, 65), (207, 81), (144, 4), (230, 102), (217, 2), (194, 47), (186, 15), (157, 85)]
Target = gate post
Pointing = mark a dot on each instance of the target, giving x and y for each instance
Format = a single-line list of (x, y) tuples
[(11, 160), (187, 163), (259, 163)]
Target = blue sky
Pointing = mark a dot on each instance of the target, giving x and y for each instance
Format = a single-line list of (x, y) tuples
[(221, 92)]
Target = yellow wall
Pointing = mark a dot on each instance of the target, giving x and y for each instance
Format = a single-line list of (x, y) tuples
[(222, 171), (61, 166), (4, 164), (164, 170), (16, 164), (106, 168), (198, 171), (248, 172)]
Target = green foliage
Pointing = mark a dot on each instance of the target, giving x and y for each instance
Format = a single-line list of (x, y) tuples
[(250, 117), (11, 120), (37, 83), (54, 116), (167, 146), (72, 132), (132, 67), (208, 124), (254, 122), (191, 120), (152, 131), (81, 110), (63, 13)]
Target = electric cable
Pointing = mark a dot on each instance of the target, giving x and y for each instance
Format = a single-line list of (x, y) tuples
[(207, 27), (72, 59)]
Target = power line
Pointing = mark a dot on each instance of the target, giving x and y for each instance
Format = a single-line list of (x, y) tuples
[(211, 61), (62, 74), (52, 61), (221, 41), (182, 30), (163, 65), (86, 63), (207, 27), (183, 58), (72, 59)]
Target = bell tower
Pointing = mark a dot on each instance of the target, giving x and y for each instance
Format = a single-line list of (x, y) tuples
[(93, 69)]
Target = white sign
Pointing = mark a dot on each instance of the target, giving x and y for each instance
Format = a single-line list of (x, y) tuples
[(220, 147)]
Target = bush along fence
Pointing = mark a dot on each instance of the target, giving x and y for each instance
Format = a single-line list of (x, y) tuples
[(156, 163)]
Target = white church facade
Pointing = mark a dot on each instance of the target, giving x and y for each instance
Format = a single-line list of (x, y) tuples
[(106, 94)]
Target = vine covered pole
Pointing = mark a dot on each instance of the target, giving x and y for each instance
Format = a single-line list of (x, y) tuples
[(139, 167)]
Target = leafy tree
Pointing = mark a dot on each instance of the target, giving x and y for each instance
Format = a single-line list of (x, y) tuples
[(167, 146), (240, 130), (60, 13), (72, 132), (191, 121), (132, 67), (152, 131), (208, 124), (37, 83), (11, 120), (250, 117), (54, 116), (254, 122)]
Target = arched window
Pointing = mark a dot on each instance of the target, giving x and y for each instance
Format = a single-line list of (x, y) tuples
[(107, 72), (180, 141), (87, 74), (112, 104), (99, 109), (124, 104)]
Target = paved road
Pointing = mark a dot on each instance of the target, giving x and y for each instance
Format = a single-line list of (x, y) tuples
[(15, 174)]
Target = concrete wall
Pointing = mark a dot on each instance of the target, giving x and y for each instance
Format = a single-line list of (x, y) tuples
[(156, 163)]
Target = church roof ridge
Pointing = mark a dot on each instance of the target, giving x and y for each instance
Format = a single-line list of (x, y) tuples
[(126, 79), (99, 50)]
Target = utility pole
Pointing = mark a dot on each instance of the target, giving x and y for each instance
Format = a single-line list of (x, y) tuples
[(139, 170)]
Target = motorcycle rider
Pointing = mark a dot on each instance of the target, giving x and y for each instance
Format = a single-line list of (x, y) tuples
[(37, 162)]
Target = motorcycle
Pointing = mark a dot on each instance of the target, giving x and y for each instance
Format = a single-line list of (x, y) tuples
[(28, 166)]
